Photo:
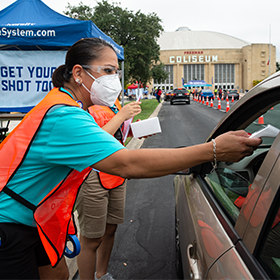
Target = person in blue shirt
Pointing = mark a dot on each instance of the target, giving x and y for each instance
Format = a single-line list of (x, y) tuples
[(68, 139)]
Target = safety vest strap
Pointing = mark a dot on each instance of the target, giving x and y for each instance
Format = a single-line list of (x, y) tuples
[(54, 212), (19, 198), (24, 133), (53, 215)]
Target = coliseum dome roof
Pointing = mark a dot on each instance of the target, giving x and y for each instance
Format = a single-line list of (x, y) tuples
[(184, 38)]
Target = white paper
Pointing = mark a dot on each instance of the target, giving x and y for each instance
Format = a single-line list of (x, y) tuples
[(146, 127)]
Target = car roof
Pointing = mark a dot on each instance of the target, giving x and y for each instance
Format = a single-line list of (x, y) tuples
[(272, 83)]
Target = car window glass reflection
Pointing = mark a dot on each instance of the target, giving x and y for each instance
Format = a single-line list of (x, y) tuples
[(271, 117), (230, 188), (270, 253)]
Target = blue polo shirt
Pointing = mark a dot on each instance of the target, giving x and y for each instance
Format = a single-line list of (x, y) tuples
[(68, 138)]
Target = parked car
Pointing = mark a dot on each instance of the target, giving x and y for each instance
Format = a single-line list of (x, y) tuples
[(233, 93), (207, 93), (167, 95), (180, 95), (228, 219)]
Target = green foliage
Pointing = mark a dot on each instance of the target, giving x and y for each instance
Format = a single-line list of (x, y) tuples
[(147, 106), (81, 12), (277, 66), (158, 73), (255, 82), (136, 32)]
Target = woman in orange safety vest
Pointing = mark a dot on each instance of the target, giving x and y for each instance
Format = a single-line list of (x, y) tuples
[(49, 154), (104, 194)]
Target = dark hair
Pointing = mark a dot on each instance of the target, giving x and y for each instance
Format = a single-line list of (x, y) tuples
[(83, 52)]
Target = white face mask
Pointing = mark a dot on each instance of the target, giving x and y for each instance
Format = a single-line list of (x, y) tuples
[(104, 90)]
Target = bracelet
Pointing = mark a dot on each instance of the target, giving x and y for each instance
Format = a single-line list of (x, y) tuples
[(214, 164)]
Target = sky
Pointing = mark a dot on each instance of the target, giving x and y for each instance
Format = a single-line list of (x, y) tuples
[(254, 21)]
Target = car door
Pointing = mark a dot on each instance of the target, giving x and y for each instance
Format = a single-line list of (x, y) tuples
[(257, 221), (210, 226), (202, 234)]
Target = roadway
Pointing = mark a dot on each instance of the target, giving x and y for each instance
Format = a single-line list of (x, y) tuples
[(145, 245)]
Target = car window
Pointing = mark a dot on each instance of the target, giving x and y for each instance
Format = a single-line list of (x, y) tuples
[(271, 117), (230, 189), (231, 182), (180, 90), (269, 256)]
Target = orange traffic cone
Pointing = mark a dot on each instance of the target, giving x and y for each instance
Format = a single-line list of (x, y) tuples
[(222, 96), (211, 103), (232, 99), (202, 99), (227, 109), (261, 120), (219, 105), (227, 98), (199, 99), (207, 101), (213, 96)]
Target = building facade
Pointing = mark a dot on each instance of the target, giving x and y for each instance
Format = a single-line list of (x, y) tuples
[(221, 60)]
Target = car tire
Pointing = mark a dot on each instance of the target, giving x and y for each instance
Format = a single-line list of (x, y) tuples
[(171, 102), (178, 260), (188, 102)]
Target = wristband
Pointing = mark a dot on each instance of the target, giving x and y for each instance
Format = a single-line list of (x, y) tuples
[(214, 163)]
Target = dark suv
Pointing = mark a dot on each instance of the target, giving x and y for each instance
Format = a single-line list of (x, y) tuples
[(180, 95)]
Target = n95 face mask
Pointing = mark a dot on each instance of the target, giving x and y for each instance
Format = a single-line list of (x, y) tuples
[(104, 90)]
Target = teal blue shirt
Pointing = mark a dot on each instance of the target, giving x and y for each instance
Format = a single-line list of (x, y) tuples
[(68, 138)]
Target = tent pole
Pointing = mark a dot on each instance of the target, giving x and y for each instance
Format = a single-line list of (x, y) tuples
[(122, 83)]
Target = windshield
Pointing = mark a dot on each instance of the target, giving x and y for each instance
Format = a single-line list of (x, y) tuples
[(180, 91)]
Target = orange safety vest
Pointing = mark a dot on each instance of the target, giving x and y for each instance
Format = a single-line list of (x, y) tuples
[(102, 115), (53, 215)]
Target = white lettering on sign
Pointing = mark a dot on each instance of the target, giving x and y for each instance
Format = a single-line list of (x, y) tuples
[(214, 58), (178, 59), (193, 58)]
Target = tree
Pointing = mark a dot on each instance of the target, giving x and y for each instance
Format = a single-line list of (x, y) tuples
[(277, 66), (158, 73), (136, 33)]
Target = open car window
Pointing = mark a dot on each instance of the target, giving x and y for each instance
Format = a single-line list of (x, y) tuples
[(271, 117), (231, 182), (230, 189)]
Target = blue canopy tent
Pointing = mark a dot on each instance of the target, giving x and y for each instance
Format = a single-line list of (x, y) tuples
[(197, 83), (33, 42)]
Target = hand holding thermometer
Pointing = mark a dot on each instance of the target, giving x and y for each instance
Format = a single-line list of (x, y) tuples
[(268, 131)]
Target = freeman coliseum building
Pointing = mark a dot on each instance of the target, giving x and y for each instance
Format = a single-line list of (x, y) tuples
[(221, 60)]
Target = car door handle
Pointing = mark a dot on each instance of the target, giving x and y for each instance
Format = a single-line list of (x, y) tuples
[(194, 272)]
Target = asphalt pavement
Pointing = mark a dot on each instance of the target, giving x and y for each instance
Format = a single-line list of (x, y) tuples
[(136, 144)]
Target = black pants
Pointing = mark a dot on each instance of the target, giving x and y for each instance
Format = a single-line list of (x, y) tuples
[(21, 252), (158, 98)]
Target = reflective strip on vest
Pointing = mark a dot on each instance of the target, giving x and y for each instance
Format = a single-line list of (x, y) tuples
[(53, 215)]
